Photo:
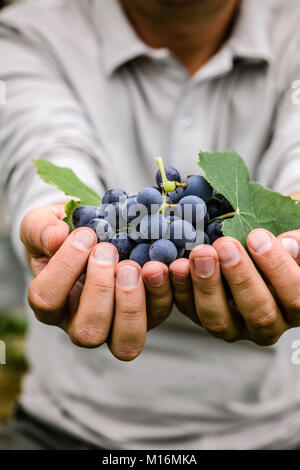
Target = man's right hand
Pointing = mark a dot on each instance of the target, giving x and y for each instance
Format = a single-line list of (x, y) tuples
[(81, 287)]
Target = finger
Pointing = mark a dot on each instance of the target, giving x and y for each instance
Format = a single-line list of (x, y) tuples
[(210, 297), (183, 288), (43, 230), (49, 291), (91, 324), (291, 242), (252, 296), (280, 268), (158, 292), (130, 321)]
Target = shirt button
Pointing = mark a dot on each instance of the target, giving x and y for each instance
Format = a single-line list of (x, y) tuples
[(186, 122)]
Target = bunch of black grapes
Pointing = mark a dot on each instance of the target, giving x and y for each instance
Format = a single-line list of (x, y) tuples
[(157, 224)]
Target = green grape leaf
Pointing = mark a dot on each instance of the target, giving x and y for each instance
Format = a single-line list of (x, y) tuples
[(65, 180), (69, 209), (254, 205)]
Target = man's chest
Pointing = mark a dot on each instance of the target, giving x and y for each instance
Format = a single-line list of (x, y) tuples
[(149, 112)]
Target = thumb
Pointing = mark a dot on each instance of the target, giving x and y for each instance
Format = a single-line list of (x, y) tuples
[(43, 230)]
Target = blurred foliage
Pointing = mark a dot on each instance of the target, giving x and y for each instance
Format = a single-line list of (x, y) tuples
[(12, 324), (12, 331)]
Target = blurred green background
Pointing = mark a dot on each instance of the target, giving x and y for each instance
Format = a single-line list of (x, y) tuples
[(12, 324), (12, 332)]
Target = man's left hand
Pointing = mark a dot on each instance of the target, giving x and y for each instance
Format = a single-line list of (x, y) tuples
[(258, 306)]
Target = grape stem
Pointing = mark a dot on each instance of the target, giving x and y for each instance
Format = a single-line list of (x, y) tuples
[(167, 186), (164, 204), (161, 167), (224, 216)]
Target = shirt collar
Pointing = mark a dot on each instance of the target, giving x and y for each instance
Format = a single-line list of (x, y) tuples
[(121, 44), (249, 39), (119, 40)]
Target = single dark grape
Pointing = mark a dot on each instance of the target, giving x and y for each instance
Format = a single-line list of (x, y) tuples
[(113, 195), (164, 251), (193, 209), (214, 230), (172, 174), (83, 214), (150, 198), (140, 254), (198, 186)]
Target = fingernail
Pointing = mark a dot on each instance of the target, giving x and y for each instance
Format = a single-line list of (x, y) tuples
[(291, 246), (128, 277), (156, 280), (180, 278), (229, 254), (46, 235), (84, 239), (260, 241), (105, 254), (204, 266)]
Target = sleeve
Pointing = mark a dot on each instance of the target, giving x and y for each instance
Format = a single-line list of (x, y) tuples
[(41, 118), (279, 168)]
